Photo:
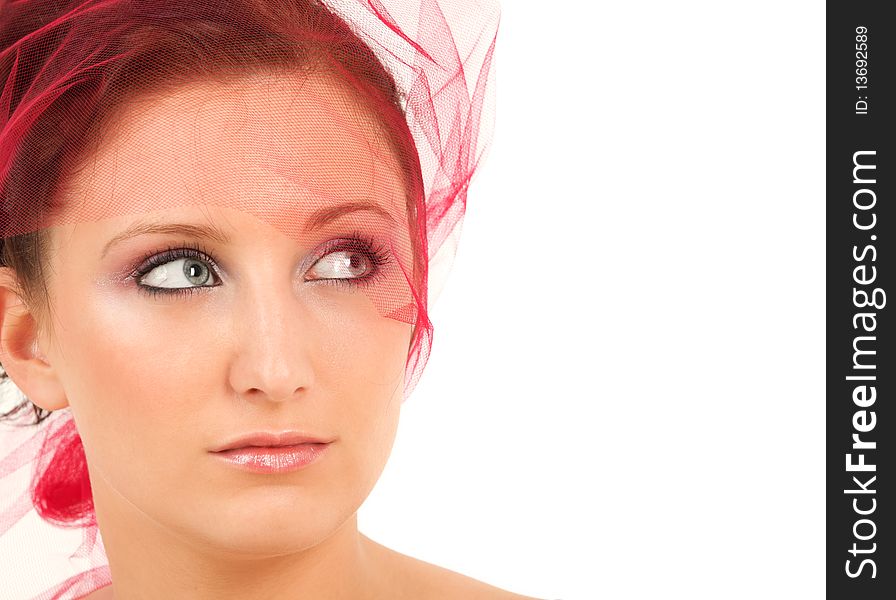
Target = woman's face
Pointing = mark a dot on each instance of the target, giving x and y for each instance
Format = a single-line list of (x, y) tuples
[(256, 340)]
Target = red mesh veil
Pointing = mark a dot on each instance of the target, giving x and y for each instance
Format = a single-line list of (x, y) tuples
[(402, 90)]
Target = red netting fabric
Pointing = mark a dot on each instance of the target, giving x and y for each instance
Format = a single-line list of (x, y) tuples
[(402, 90)]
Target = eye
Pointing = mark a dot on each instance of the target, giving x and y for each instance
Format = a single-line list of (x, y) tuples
[(178, 270), (355, 261), (342, 264), (180, 273)]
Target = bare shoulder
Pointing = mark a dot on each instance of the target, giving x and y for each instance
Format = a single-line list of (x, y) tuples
[(104, 593), (419, 580)]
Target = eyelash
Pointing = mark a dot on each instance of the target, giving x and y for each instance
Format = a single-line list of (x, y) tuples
[(378, 255)]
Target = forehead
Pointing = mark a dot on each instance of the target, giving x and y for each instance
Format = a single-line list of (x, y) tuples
[(277, 146)]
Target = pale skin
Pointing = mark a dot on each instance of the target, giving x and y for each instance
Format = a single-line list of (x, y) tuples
[(154, 383)]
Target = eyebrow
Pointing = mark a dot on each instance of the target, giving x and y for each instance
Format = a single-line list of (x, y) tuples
[(318, 219)]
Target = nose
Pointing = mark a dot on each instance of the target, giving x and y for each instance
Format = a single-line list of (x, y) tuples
[(272, 336)]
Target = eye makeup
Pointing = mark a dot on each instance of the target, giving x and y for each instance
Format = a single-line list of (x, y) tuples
[(375, 257)]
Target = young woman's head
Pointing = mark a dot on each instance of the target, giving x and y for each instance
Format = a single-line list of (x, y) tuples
[(218, 231), (168, 344)]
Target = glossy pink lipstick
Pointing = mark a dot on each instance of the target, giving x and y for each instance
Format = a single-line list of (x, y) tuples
[(266, 452)]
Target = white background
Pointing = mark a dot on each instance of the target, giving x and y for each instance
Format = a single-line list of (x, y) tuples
[(625, 396)]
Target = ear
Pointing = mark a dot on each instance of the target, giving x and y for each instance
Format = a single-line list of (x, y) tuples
[(20, 351)]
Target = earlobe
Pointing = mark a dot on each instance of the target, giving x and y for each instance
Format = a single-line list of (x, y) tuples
[(20, 352)]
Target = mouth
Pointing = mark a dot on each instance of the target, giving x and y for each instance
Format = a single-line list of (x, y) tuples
[(274, 459), (265, 439)]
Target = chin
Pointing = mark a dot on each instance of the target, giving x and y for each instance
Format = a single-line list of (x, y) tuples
[(241, 541), (278, 522)]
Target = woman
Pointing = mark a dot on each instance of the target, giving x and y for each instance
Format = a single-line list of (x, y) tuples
[(218, 219)]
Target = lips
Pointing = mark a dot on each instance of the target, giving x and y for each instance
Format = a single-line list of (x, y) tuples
[(273, 459), (267, 439)]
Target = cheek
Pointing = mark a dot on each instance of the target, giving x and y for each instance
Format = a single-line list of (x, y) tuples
[(365, 386), (130, 372)]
